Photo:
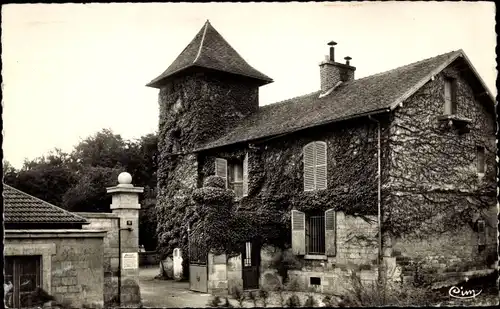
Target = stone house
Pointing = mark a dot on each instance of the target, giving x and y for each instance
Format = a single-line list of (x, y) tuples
[(390, 169), (75, 257), (46, 246)]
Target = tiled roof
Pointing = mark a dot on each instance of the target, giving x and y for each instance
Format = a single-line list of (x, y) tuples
[(376, 93), (20, 207), (210, 50)]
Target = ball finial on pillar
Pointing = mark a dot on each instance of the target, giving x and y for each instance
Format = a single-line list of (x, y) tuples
[(124, 179)]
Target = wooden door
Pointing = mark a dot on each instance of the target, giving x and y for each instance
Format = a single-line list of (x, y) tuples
[(250, 258), (22, 277)]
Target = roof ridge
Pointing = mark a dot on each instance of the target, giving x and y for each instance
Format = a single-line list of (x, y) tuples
[(289, 99), (36, 198), (370, 76), (201, 42), (408, 65)]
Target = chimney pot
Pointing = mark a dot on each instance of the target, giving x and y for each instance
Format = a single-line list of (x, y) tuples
[(332, 54), (331, 72)]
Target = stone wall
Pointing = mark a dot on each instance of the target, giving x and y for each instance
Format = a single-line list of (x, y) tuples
[(74, 265), (234, 273), (149, 258), (356, 252), (436, 193), (217, 274), (276, 186), (108, 222)]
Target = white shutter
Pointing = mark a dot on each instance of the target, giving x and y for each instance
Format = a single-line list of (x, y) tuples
[(330, 241), (245, 175), (321, 166), (309, 162), (298, 232), (221, 168)]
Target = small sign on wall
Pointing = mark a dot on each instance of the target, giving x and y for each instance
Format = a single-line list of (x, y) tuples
[(130, 260)]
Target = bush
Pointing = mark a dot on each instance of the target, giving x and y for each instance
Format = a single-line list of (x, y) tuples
[(227, 304), (310, 301), (214, 302), (238, 294), (215, 182), (253, 297), (378, 294), (293, 301), (264, 296)]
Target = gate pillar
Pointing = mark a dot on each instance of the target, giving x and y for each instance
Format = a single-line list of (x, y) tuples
[(125, 204), (217, 274)]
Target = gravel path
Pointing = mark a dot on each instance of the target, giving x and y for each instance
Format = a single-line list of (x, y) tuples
[(157, 293)]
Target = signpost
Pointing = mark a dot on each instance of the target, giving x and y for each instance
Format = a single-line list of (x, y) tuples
[(130, 260)]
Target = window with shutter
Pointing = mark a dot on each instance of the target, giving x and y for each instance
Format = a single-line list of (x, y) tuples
[(320, 166), (245, 175), (315, 166), (330, 237), (309, 160), (221, 168), (449, 96), (298, 232), (315, 233)]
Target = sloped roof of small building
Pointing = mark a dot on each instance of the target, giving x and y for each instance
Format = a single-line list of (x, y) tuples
[(370, 95), (210, 50), (20, 207)]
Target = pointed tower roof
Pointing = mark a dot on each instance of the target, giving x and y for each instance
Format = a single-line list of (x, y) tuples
[(210, 50)]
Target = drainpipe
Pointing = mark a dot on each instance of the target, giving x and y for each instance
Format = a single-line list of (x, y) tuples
[(379, 199), (120, 259)]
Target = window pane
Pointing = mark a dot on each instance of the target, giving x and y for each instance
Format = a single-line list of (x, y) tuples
[(238, 189), (238, 172), (449, 103), (316, 235)]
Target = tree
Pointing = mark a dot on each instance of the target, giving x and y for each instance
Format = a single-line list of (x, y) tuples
[(46, 177), (103, 149), (77, 181), (89, 193), (9, 172)]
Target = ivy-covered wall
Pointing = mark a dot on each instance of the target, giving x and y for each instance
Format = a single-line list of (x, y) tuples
[(276, 186), (435, 194), (429, 180), (193, 108)]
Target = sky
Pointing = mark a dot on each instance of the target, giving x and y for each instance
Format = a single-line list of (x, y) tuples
[(70, 70)]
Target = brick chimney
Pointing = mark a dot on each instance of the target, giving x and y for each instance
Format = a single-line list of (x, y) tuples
[(331, 72)]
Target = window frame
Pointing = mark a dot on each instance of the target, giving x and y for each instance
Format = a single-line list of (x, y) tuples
[(480, 160), (17, 261), (320, 233), (450, 101), (229, 168), (315, 166)]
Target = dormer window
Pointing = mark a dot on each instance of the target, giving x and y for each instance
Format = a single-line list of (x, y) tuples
[(450, 96), (235, 172)]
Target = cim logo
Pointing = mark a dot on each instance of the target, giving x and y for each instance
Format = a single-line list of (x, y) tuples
[(459, 292)]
